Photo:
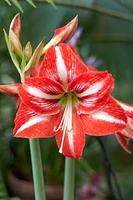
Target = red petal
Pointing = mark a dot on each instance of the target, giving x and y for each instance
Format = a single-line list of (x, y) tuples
[(36, 70), (74, 140), (92, 68), (93, 90), (62, 64), (127, 107), (123, 142), (128, 131), (41, 94), (30, 125), (75, 51), (110, 119)]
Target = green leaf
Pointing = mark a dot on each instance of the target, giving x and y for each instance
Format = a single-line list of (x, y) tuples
[(13, 56), (15, 2), (94, 7), (31, 3), (52, 3), (35, 57), (8, 2)]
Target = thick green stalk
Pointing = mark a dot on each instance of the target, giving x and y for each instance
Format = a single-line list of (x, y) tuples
[(69, 179), (37, 169), (3, 190)]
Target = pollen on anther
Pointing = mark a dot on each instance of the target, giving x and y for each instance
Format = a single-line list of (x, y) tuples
[(54, 129)]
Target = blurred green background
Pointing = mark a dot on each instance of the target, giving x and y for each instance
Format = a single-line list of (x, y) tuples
[(107, 35)]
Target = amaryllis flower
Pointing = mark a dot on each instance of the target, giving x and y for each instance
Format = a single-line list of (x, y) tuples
[(125, 135), (67, 100)]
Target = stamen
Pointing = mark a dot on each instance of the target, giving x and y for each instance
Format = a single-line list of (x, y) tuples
[(66, 121), (63, 137), (60, 125)]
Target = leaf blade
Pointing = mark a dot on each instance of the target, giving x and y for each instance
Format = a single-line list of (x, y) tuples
[(15, 2), (31, 3)]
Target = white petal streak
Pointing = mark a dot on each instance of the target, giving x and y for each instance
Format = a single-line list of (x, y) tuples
[(125, 107), (31, 122), (126, 133), (92, 89), (38, 93), (66, 125), (71, 141), (61, 68), (100, 115)]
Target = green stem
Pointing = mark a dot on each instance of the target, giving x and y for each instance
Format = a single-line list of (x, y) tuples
[(69, 179), (3, 190), (37, 169)]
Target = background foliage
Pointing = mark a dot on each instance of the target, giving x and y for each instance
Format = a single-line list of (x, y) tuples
[(108, 35)]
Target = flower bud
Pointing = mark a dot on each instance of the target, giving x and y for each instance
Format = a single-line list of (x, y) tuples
[(35, 58), (15, 44), (10, 90), (14, 35), (63, 34), (28, 51), (15, 25)]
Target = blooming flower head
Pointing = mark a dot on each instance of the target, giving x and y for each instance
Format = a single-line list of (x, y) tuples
[(61, 96), (67, 100)]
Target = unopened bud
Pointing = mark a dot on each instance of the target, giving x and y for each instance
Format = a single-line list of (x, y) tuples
[(63, 34), (10, 90), (15, 43), (35, 57), (15, 25), (28, 51)]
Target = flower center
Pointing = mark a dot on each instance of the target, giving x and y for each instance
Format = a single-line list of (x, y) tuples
[(68, 97), (67, 101)]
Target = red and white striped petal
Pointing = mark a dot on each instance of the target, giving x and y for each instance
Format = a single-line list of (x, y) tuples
[(128, 131), (92, 89), (127, 107), (62, 64), (30, 125), (71, 143), (110, 119), (123, 142), (41, 95)]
